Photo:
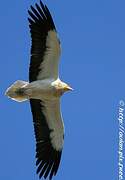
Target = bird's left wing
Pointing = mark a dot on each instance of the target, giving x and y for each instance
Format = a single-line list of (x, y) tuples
[(45, 50), (49, 133)]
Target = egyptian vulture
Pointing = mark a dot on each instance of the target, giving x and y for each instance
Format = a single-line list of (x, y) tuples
[(43, 91)]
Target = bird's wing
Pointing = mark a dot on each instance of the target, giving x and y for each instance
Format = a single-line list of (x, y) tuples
[(45, 50), (49, 133)]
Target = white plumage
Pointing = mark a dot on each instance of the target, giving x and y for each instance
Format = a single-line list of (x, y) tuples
[(44, 90), (49, 68)]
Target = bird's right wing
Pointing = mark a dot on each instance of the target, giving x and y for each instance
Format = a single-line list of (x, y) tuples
[(49, 133), (45, 50)]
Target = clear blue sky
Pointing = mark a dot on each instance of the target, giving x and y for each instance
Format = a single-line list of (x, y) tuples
[(92, 33)]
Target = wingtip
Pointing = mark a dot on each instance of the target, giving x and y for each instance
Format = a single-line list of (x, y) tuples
[(41, 3), (50, 167)]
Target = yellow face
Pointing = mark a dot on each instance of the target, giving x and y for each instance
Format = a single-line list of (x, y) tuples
[(62, 87), (67, 88)]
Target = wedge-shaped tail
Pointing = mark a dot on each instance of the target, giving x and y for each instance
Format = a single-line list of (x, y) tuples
[(15, 91)]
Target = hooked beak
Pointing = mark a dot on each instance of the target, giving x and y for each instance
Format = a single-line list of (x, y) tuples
[(68, 88)]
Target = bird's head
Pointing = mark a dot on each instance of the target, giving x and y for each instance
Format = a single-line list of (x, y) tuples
[(63, 87)]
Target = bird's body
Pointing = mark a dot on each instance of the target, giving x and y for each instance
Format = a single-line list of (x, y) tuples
[(47, 89), (44, 90)]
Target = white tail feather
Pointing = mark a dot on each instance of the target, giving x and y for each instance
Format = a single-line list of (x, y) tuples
[(13, 91)]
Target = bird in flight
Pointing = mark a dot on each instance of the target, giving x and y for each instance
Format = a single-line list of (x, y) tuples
[(43, 91)]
